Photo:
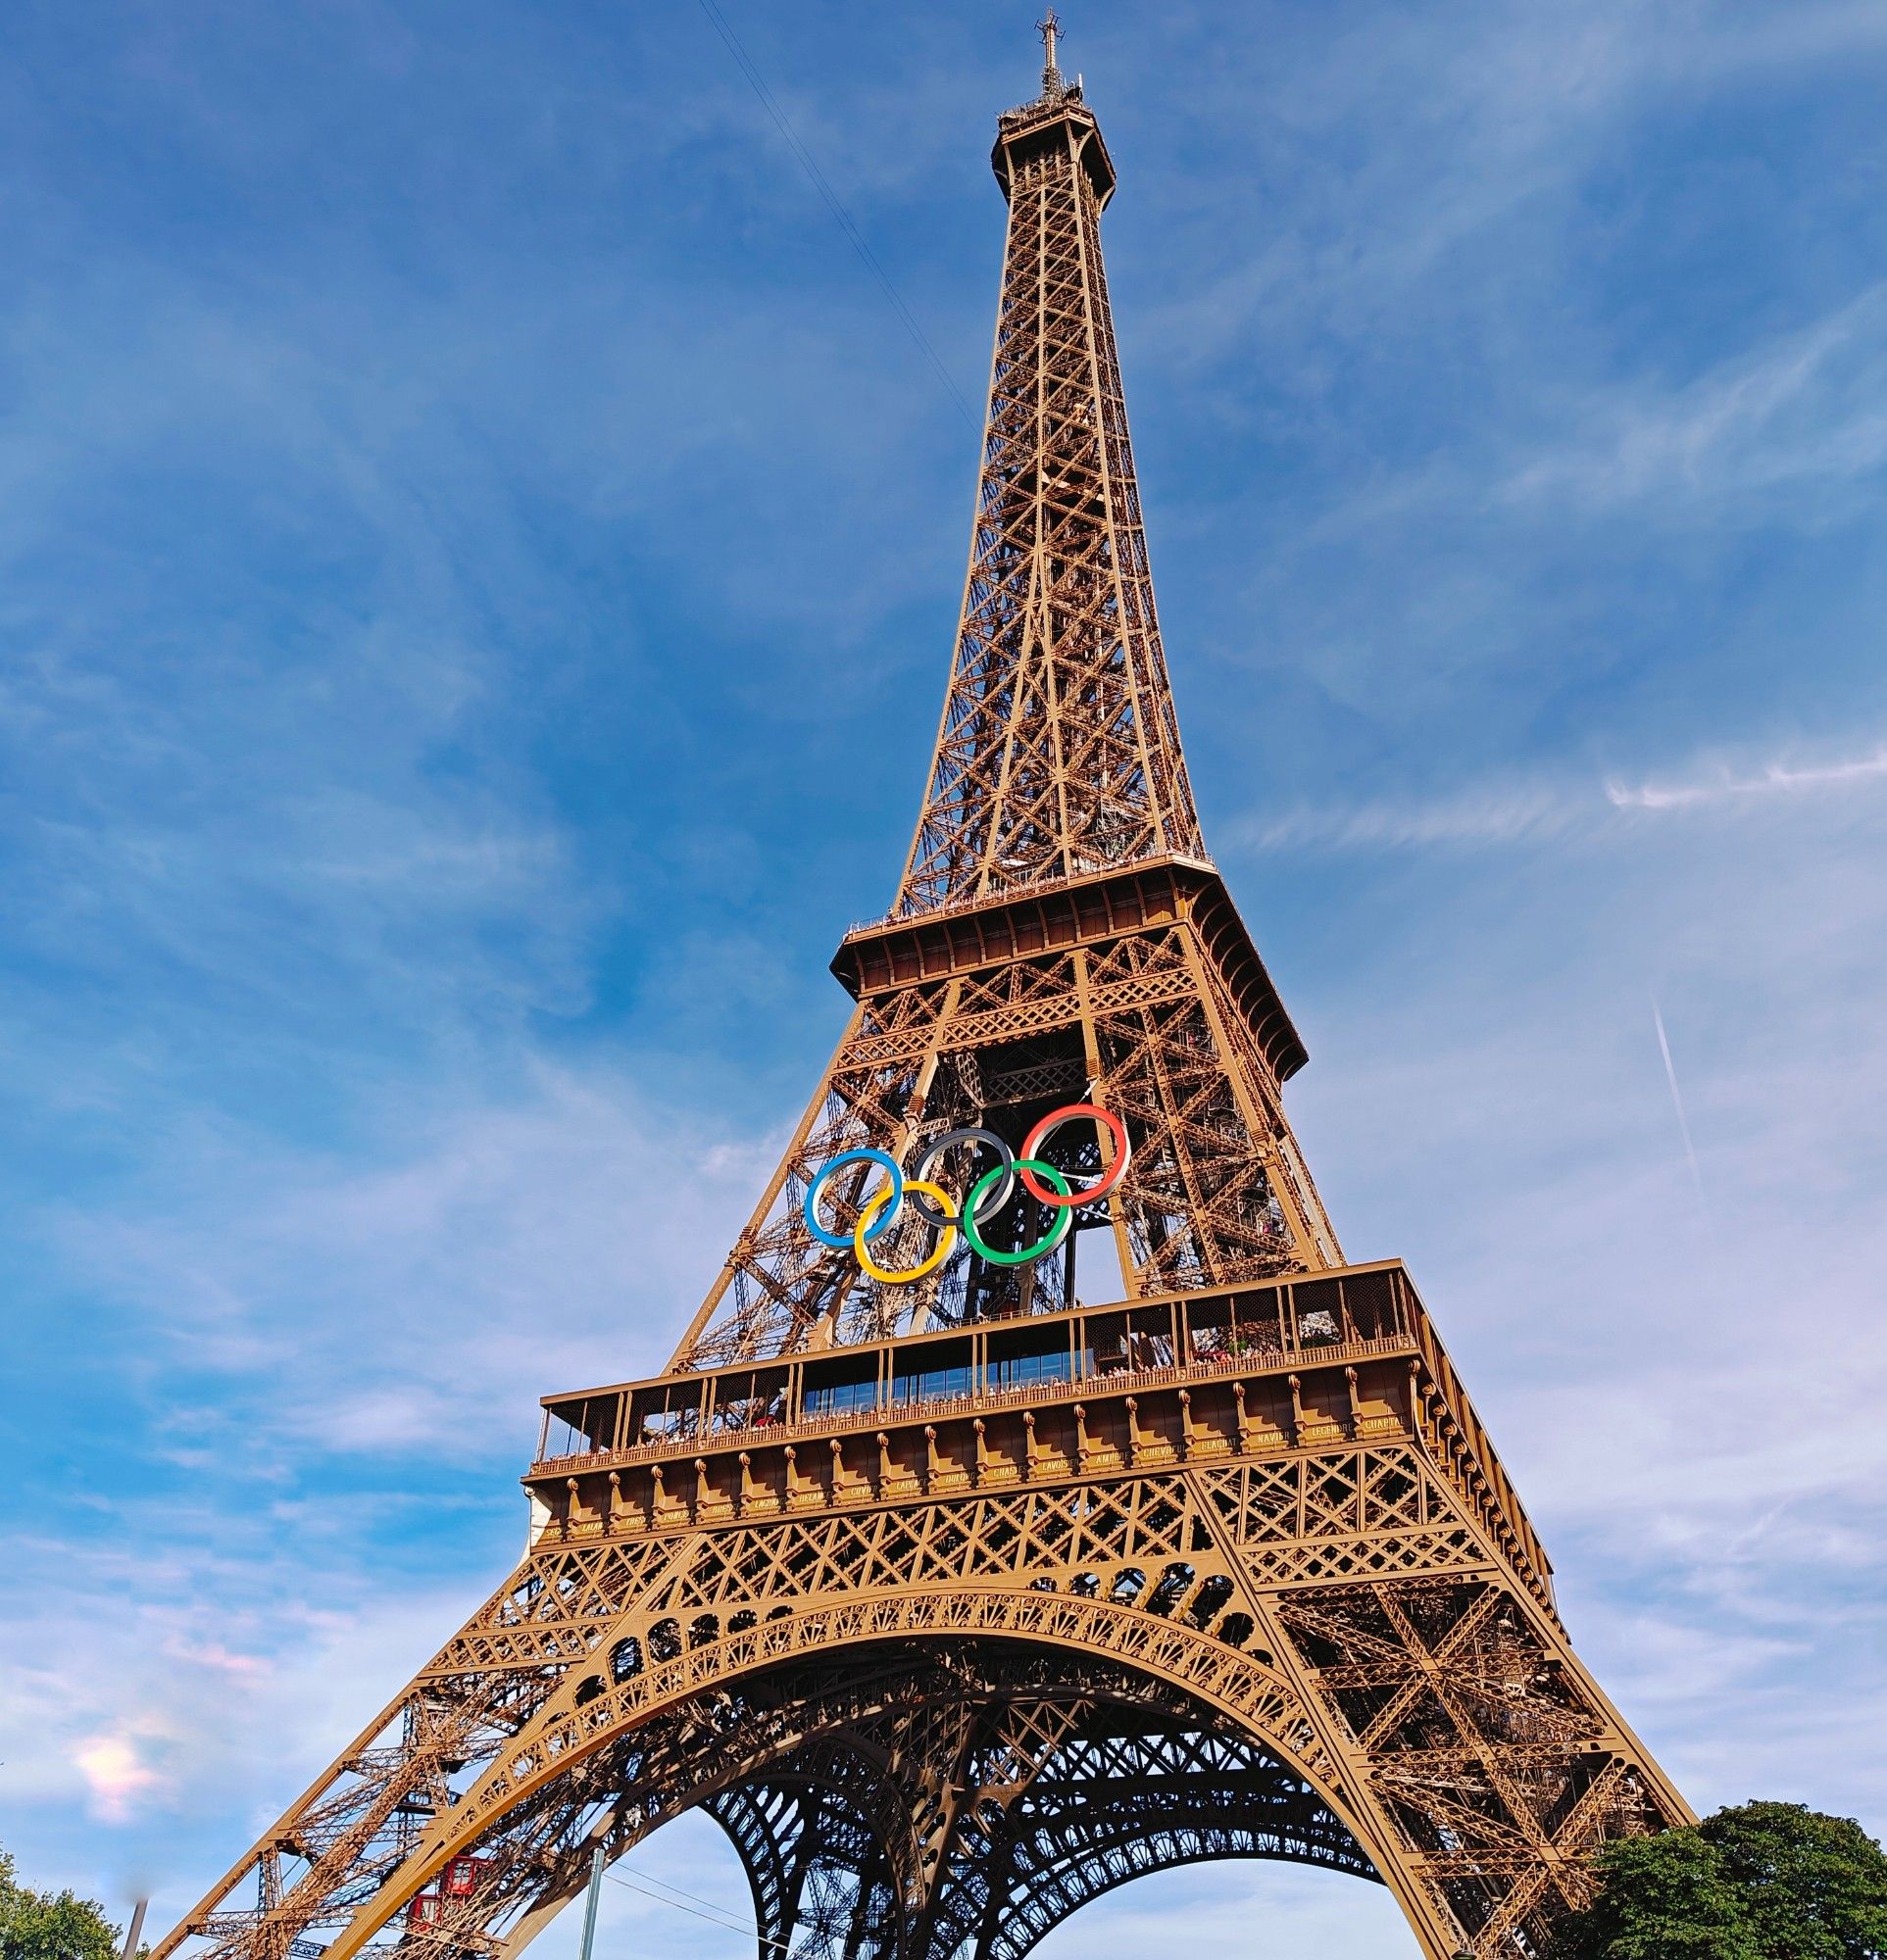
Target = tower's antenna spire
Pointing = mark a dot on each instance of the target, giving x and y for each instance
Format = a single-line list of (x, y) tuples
[(1049, 28)]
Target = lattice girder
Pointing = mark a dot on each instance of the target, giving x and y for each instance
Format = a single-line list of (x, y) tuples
[(1058, 750), (1146, 1022)]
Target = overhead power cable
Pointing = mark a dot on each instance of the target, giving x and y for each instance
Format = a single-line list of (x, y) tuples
[(843, 218), (715, 1914), (712, 1905)]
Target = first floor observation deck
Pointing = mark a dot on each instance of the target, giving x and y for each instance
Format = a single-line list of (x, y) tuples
[(1342, 1358)]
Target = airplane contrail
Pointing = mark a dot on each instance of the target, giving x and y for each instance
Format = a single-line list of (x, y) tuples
[(1678, 1100)]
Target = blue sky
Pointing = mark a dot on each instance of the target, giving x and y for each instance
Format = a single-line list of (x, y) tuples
[(478, 558)]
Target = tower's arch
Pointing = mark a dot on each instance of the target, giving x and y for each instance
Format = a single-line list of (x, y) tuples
[(993, 1760)]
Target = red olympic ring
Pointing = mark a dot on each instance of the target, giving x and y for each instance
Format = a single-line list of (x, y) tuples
[(1047, 1127)]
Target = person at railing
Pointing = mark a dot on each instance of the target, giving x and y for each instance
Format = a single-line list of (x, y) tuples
[(1143, 1351)]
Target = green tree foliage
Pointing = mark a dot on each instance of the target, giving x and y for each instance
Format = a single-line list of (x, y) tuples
[(1812, 1887), (1760, 1882), (48, 1925), (1667, 1897)]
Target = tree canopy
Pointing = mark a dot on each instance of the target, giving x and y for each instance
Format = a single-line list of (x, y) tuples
[(51, 1926), (1757, 1882)]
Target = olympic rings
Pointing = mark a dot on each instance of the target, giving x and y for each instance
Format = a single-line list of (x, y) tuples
[(1064, 1218), (1047, 1127), (836, 1240), (987, 1196), (946, 1239)]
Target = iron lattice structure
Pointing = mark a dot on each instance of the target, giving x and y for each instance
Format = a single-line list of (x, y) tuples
[(959, 1602)]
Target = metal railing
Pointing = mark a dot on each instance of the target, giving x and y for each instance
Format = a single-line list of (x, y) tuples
[(972, 1402)]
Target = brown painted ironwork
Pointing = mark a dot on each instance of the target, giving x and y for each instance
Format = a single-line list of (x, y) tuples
[(960, 1602)]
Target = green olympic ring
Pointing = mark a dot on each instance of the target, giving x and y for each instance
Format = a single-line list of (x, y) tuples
[(1063, 1215)]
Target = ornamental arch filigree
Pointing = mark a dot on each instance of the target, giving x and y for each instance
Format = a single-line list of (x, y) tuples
[(854, 1700)]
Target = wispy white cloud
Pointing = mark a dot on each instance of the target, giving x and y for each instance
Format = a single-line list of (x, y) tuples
[(1500, 813), (1551, 810), (1775, 779), (118, 1693), (1474, 132), (401, 1305), (1809, 407), (116, 1768)]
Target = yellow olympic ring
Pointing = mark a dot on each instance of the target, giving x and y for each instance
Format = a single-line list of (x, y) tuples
[(869, 1210)]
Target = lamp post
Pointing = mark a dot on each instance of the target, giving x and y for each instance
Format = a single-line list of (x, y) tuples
[(589, 1904)]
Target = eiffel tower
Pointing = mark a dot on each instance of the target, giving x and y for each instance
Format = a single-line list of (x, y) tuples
[(956, 1600)]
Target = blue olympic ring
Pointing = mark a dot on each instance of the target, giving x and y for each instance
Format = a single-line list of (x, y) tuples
[(839, 1241)]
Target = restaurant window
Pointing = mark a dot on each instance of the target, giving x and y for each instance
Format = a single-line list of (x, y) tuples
[(1019, 1361), (928, 1375), (840, 1388)]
